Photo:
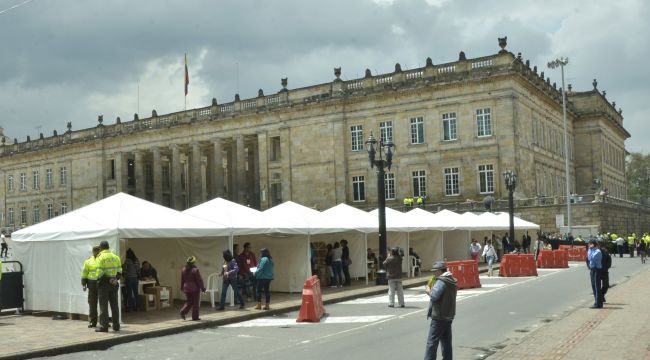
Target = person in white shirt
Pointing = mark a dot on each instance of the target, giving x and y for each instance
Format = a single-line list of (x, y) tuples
[(5, 247), (490, 254), (619, 245), (474, 250)]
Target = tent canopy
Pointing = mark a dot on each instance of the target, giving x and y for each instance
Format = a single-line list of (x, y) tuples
[(241, 219), (351, 218)]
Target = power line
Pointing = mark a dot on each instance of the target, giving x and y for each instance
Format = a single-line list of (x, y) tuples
[(15, 6)]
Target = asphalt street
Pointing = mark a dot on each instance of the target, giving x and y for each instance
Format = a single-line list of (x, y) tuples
[(487, 319)]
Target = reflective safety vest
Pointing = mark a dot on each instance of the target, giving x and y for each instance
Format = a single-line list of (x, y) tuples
[(108, 265), (630, 239), (89, 270), (420, 200)]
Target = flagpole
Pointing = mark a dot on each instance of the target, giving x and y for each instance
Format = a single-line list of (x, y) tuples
[(186, 81)]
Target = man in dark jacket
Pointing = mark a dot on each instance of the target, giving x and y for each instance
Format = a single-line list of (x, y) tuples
[(604, 273), (346, 261), (442, 309)]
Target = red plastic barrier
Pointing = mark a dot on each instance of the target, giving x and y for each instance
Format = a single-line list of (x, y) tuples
[(312, 309), (576, 252), (553, 259), (465, 272), (513, 265)]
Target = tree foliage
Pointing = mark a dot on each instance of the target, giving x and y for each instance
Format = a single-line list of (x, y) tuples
[(637, 171)]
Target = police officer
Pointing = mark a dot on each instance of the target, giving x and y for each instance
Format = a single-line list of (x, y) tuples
[(89, 281), (109, 268), (594, 261)]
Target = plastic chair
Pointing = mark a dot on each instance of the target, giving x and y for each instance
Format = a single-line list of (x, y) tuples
[(414, 266), (212, 287)]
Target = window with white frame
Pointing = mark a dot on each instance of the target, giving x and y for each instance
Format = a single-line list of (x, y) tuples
[(37, 215), (419, 178), (486, 179), (49, 181), (23, 215), (36, 179), (389, 186), (64, 208), (358, 188), (50, 211), (417, 130), (386, 131), (451, 181), (63, 172), (449, 126), (484, 122), (23, 181), (356, 132), (10, 216), (10, 183)]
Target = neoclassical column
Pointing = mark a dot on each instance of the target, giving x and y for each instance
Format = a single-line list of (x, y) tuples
[(241, 170), (139, 174), (195, 175), (176, 171), (216, 173), (261, 171), (120, 172), (254, 172), (157, 176)]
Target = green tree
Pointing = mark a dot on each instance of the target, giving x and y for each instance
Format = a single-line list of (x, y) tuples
[(637, 171)]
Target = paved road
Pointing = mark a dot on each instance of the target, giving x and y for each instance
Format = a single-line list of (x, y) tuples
[(487, 319)]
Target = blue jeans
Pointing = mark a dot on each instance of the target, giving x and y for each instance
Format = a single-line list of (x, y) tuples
[(595, 287), (439, 332), (337, 267), (131, 286), (235, 289)]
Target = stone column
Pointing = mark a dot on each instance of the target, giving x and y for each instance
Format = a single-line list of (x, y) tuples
[(285, 147), (262, 170), (195, 175), (176, 169), (120, 172), (216, 173), (139, 174), (157, 176), (254, 172), (241, 170)]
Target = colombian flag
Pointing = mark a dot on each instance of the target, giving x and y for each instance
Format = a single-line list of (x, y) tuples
[(187, 76)]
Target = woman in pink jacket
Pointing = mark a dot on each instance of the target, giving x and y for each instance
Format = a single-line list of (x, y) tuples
[(192, 286)]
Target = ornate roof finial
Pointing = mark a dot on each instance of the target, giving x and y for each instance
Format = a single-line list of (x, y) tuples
[(570, 87), (535, 69), (69, 125), (54, 133), (595, 84), (39, 136), (154, 113), (100, 119), (614, 104), (118, 120), (527, 63), (284, 82), (260, 93), (554, 86), (519, 56), (398, 68), (429, 62), (541, 75), (461, 56), (503, 42), (620, 111), (605, 93), (368, 73), (136, 117), (237, 97), (28, 138), (214, 101), (337, 73)]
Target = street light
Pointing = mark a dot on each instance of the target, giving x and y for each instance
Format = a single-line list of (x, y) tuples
[(381, 163), (510, 178), (561, 62)]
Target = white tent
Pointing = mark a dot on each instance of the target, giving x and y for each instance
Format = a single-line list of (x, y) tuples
[(53, 251)]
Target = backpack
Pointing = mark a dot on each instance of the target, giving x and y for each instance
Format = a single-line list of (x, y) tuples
[(607, 259)]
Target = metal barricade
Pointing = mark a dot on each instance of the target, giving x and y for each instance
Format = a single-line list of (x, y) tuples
[(12, 287)]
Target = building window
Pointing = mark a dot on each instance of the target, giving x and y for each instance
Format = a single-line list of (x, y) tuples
[(165, 177), (451, 181), (419, 183), (417, 130), (386, 131), (10, 183), (23, 181), (130, 172), (64, 208), (275, 149), (37, 215), (358, 188), (48, 178), (23, 216), (10, 216), (148, 174), (63, 175), (36, 180), (449, 126), (111, 169), (389, 186), (357, 137), (50, 211), (484, 122), (486, 179)]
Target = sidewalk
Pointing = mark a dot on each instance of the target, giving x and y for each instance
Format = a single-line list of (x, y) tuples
[(28, 336), (621, 330)]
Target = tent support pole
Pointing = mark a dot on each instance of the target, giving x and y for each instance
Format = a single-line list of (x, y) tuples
[(231, 245), (365, 239), (408, 257)]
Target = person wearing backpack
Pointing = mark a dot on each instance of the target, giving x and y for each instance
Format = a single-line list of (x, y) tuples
[(604, 274)]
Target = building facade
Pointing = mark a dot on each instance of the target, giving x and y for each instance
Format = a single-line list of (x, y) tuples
[(456, 128)]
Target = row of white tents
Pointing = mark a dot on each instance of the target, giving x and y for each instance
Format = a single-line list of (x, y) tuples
[(53, 251)]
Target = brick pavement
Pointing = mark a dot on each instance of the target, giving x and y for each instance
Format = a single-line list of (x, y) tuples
[(621, 330)]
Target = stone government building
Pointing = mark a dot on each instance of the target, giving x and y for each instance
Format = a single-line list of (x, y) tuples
[(457, 127)]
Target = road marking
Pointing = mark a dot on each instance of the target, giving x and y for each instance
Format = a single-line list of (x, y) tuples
[(272, 322)]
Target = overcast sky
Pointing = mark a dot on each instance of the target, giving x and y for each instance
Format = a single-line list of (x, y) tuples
[(71, 60)]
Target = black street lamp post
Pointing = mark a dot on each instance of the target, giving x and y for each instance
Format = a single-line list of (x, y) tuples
[(381, 163), (510, 178)]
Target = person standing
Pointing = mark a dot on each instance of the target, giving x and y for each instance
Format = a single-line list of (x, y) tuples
[(247, 260), (526, 243), (109, 268), (393, 266), (490, 256), (131, 269), (442, 310), (641, 249), (330, 269), (604, 274), (263, 277), (594, 259), (89, 282), (346, 262), (192, 286), (619, 245), (230, 272), (3, 244), (337, 264), (505, 242), (474, 250)]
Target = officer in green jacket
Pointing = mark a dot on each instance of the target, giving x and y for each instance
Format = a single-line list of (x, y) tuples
[(89, 281), (109, 272)]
